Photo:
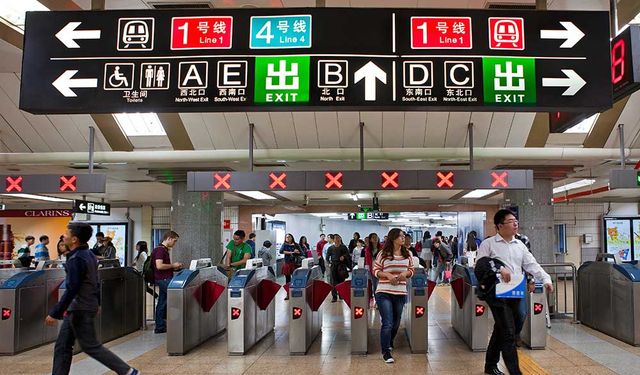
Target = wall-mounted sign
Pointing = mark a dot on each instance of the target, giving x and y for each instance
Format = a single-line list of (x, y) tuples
[(624, 179), (360, 180), (368, 216), (36, 213), (52, 183), (315, 59), (94, 208)]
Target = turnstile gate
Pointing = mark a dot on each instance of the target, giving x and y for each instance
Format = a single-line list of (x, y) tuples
[(355, 293), (534, 331), (416, 321), (26, 299), (251, 305), (469, 315), (195, 311), (609, 298), (307, 292)]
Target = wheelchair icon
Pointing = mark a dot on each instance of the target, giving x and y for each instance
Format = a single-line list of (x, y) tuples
[(118, 76), (118, 79)]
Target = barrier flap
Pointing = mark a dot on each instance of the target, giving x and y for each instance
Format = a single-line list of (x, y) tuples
[(458, 289), (286, 288), (320, 291), (267, 290), (431, 285), (55, 294), (344, 290), (211, 291)]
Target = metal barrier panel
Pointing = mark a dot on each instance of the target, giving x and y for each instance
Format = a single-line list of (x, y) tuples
[(415, 315), (359, 311), (565, 283), (534, 331)]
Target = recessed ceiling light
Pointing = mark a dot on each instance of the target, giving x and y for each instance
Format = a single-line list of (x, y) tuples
[(479, 193), (574, 185), (15, 11), (140, 124), (256, 195), (38, 197)]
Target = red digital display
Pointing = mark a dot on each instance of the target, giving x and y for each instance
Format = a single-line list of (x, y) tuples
[(297, 313), (358, 312), (235, 313), (480, 310), (441, 32), (222, 181), (625, 70), (333, 180), (444, 179), (500, 180), (68, 183), (537, 308), (389, 180), (278, 181), (13, 184), (6, 313), (617, 61), (201, 32), (420, 310)]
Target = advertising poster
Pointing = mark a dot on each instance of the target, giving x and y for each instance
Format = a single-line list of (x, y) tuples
[(636, 238), (23, 223), (618, 238)]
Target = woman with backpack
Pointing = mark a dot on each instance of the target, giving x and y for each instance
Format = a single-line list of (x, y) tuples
[(139, 261)]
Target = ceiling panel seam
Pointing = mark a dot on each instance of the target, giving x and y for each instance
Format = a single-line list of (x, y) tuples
[(315, 119), (273, 131), (15, 133), (235, 146), (206, 128), (295, 131), (509, 132)]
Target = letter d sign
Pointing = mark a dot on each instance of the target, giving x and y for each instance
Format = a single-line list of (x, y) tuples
[(418, 74)]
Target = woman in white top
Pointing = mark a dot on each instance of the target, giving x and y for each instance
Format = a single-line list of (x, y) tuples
[(141, 257), (393, 267)]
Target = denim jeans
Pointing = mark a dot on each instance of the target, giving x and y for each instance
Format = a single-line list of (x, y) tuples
[(503, 339), (80, 325), (161, 307), (522, 315), (390, 307)]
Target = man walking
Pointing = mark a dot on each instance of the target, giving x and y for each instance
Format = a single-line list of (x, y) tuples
[(163, 273), (516, 257), (78, 307)]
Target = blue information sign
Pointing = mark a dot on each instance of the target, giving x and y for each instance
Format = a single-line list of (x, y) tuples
[(281, 31)]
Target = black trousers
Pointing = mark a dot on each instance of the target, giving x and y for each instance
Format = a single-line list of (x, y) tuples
[(506, 312)]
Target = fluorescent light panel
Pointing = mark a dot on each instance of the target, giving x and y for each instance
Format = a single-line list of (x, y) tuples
[(479, 193), (256, 195), (14, 11), (583, 126), (574, 185), (140, 124), (37, 197)]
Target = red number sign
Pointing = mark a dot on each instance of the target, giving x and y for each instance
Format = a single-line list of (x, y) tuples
[(441, 32), (617, 61), (506, 33), (201, 32)]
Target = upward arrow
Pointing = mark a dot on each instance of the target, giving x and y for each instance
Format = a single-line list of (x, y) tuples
[(68, 34), (571, 34), (370, 72)]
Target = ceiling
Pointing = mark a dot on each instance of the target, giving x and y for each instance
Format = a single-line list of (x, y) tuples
[(307, 133)]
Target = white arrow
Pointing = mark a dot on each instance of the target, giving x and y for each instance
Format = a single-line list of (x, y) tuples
[(573, 82), (68, 34), (65, 83), (370, 72), (571, 34), (82, 206)]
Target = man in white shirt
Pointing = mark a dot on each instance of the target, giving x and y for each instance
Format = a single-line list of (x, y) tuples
[(516, 257)]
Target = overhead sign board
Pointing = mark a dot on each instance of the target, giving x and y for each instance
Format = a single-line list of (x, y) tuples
[(624, 179), (315, 59), (360, 180), (93, 208), (625, 62), (368, 216), (52, 183)]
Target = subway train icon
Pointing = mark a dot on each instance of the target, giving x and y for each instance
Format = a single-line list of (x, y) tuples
[(506, 33), (135, 34)]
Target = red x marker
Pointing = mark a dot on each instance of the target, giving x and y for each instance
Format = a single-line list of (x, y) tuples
[(479, 310), (444, 180), (358, 312), (6, 313), (419, 311), (537, 308), (13, 184), (235, 313), (297, 313), (389, 180), (278, 181), (333, 181), (68, 183), (500, 180), (222, 181)]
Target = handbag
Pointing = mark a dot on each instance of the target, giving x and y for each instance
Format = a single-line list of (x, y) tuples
[(342, 271)]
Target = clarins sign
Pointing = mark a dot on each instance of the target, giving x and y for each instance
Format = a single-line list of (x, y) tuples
[(35, 213)]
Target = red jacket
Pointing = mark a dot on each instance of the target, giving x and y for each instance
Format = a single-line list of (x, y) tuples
[(319, 247)]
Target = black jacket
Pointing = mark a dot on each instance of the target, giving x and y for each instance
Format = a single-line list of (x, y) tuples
[(485, 270)]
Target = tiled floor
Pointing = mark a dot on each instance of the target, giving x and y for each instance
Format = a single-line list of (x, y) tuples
[(571, 349)]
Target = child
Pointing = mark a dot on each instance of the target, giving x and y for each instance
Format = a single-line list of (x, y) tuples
[(265, 253)]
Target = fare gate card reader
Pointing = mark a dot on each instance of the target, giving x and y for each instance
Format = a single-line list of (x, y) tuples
[(359, 282), (419, 284), (515, 288)]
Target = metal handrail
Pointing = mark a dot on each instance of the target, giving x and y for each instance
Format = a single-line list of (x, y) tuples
[(574, 276)]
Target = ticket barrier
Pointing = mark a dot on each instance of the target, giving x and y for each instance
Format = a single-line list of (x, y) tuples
[(609, 297), (355, 293), (7, 273), (195, 311), (534, 331), (307, 292), (26, 299), (416, 319), (251, 305), (121, 296), (469, 315)]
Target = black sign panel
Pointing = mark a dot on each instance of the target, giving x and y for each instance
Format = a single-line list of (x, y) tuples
[(625, 62), (94, 208), (360, 180), (368, 216), (52, 183), (315, 59)]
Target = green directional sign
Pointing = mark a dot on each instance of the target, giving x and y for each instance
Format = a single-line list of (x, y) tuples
[(638, 178), (282, 79), (509, 81)]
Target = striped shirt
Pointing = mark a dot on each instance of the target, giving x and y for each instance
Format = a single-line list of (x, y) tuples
[(396, 266)]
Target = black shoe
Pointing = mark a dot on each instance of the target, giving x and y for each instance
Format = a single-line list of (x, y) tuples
[(493, 371), (334, 300), (387, 357), (160, 331), (286, 298)]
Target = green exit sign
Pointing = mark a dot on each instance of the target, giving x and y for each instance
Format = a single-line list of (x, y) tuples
[(638, 178)]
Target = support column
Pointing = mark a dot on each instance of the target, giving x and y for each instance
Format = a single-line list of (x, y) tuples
[(535, 214), (197, 218)]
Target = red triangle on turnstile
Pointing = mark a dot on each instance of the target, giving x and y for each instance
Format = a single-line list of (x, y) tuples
[(344, 290), (286, 288), (458, 288), (431, 285), (320, 290), (211, 291), (267, 290)]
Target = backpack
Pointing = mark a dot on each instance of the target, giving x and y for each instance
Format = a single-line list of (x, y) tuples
[(147, 271)]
